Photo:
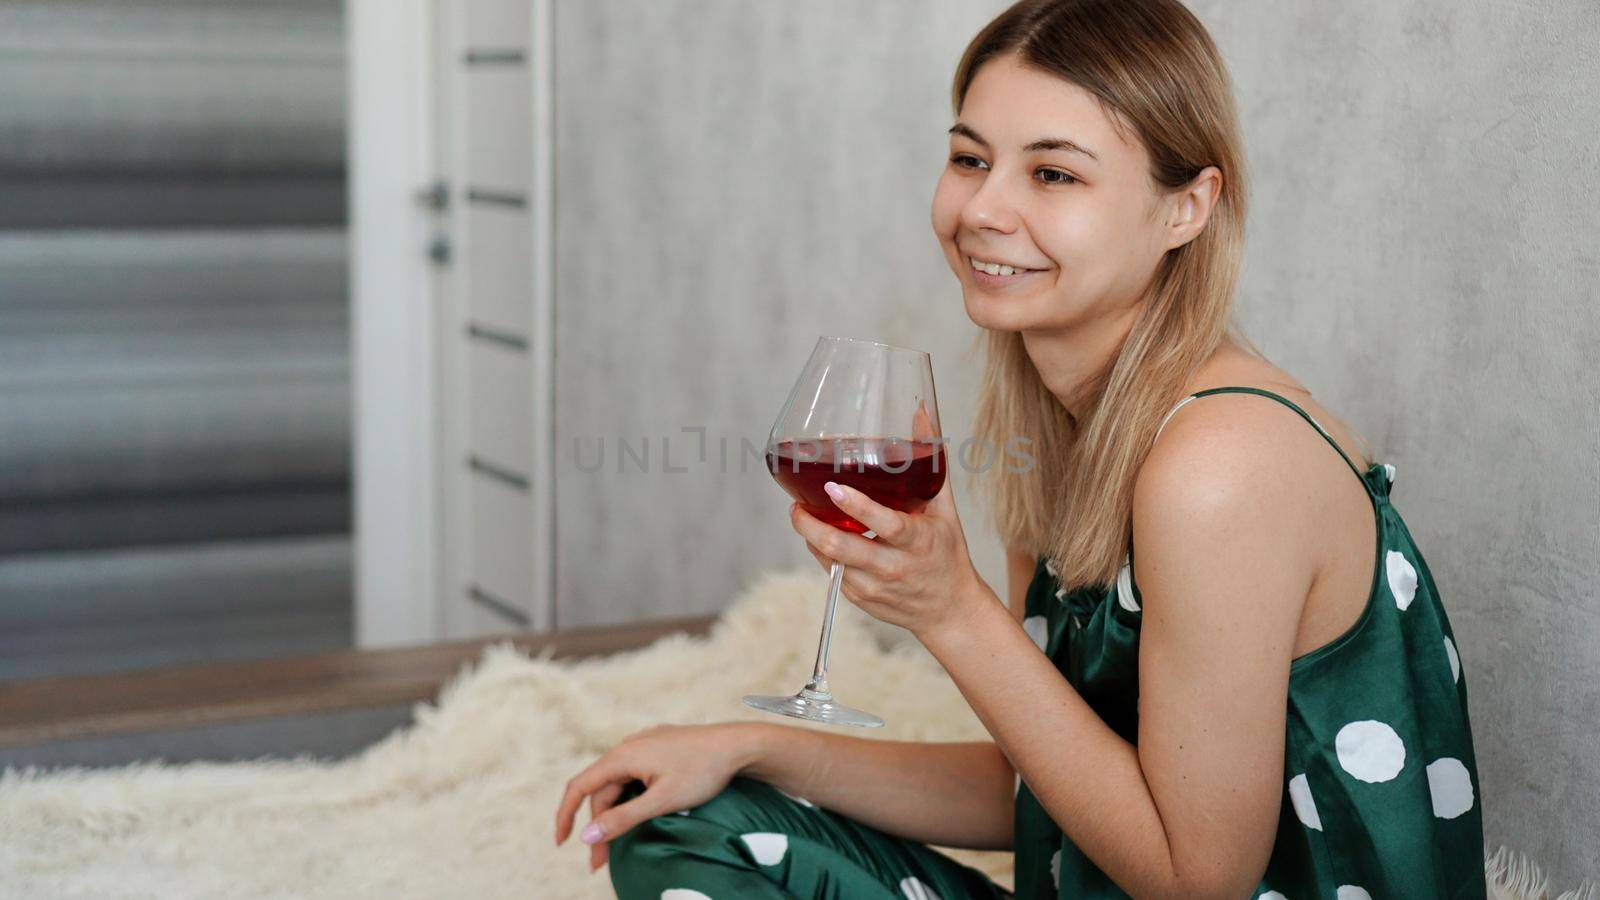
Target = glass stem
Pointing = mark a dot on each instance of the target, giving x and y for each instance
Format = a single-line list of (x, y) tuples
[(817, 688)]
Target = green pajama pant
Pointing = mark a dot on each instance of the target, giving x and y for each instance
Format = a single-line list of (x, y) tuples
[(754, 842)]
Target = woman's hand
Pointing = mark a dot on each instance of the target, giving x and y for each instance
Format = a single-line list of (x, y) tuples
[(681, 766), (916, 573)]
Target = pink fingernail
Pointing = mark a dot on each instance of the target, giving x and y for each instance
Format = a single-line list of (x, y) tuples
[(834, 491), (593, 833)]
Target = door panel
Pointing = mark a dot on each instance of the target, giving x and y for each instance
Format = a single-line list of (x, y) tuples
[(501, 432), (493, 248), (502, 534), (497, 23), (494, 341), (500, 128)]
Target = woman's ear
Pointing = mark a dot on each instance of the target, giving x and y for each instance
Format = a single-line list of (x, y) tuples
[(1190, 208)]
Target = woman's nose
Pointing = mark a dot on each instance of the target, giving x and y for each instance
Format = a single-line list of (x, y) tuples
[(990, 208)]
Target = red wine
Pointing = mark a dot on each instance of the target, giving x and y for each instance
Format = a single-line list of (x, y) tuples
[(897, 473)]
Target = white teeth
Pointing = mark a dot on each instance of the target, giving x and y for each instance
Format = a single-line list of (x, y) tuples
[(994, 268)]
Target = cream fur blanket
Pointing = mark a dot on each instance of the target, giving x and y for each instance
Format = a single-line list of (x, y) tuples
[(462, 802)]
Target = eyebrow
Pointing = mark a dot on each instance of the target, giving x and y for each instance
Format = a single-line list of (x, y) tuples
[(1040, 144)]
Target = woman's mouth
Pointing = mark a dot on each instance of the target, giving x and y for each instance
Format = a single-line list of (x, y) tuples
[(993, 274)]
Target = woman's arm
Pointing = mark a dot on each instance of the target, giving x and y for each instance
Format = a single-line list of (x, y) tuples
[(1019, 574), (1223, 533), (950, 794)]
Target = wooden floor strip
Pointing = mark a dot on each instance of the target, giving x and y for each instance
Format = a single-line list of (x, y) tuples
[(53, 709)]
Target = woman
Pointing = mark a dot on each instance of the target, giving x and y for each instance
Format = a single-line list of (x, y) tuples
[(1237, 696)]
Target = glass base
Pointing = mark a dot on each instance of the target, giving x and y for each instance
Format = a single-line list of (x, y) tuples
[(814, 707)]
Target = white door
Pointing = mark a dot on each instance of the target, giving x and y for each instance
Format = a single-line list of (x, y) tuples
[(493, 315)]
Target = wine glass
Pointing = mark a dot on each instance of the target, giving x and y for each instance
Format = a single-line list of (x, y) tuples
[(863, 414)]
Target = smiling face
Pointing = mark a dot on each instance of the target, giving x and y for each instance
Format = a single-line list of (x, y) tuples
[(1038, 177)]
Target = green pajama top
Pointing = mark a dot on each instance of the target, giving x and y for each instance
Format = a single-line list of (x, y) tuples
[(1380, 792)]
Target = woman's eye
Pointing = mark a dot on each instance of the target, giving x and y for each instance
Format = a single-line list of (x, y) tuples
[(1051, 176)]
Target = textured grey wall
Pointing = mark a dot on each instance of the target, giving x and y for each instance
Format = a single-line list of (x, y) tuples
[(734, 179)]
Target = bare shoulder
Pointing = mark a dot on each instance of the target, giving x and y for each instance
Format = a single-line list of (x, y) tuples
[(1239, 466), (1246, 439), (1225, 449)]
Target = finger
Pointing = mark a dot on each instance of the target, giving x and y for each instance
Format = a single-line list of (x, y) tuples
[(835, 544), (619, 819), (922, 427), (890, 525), (849, 590), (599, 802), (863, 586), (943, 503), (823, 561), (580, 786), (563, 815)]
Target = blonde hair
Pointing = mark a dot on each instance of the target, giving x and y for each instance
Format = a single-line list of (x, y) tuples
[(1155, 70)]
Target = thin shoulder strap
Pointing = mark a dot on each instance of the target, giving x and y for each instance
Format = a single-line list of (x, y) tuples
[(1285, 401)]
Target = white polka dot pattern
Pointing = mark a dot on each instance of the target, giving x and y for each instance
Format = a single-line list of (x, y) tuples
[(912, 888), (1304, 807), (1363, 736), (1037, 628), (683, 894), (800, 800), (766, 846), (1370, 751), (1450, 786), (1125, 588), (1402, 579)]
